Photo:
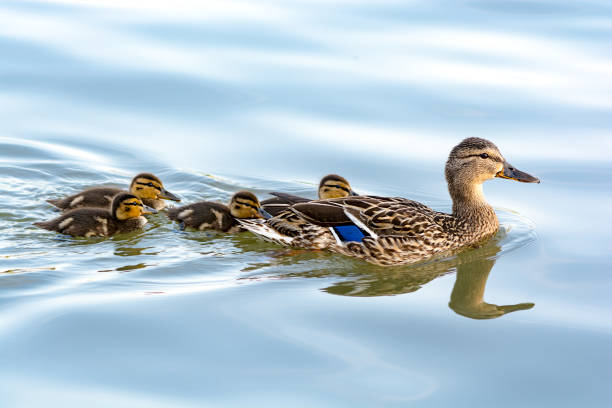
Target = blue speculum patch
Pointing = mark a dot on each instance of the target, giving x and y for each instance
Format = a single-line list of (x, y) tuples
[(349, 233), (265, 214)]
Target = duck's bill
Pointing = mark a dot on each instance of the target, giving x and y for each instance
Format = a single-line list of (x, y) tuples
[(166, 195), (264, 214), (515, 308), (353, 193), (512, 173), (148, 210)]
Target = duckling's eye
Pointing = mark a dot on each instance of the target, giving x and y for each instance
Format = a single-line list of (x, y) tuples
[(484, 155), (150, 185), (338, 187), (241, 204)]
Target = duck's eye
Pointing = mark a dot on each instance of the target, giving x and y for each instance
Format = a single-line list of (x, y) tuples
[(484, 155), (151, 184)]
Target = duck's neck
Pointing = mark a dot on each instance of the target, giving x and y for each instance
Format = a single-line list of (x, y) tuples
[(470, 205)]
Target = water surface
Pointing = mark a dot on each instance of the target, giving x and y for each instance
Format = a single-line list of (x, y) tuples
[(215, 97)]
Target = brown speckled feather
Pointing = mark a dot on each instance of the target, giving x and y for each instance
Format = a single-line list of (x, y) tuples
[(205, 215), (288, 228), (281, 202), (403, 231), (97, 197), (91, 222), (406, 231), (396, 230)]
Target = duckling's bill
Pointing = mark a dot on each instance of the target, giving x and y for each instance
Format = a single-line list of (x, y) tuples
[(166, 195), (148, 210), (512, 173)]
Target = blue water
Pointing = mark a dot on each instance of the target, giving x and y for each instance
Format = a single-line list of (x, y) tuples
[(218, 96)]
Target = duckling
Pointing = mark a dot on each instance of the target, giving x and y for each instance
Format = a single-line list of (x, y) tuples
[(125, 215), (331, 186), (145, 186), (394, 231), (209, 215)]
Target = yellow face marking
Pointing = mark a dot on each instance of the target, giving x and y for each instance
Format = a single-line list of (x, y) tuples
[(334, 189), (248, 202), (244, 208), (146, 188), (130, 208)]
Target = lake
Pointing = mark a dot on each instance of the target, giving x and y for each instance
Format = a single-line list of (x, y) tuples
[(220, 96)]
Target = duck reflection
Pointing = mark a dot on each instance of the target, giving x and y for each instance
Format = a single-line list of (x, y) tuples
[(473, 268), (467, 296)]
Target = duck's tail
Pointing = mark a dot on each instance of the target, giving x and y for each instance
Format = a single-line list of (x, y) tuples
[(42, 224), (261, 228), (173, 213), (56, 202)]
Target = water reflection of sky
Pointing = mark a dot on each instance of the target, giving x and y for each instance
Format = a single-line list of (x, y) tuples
[(271, 96), (230, 68)]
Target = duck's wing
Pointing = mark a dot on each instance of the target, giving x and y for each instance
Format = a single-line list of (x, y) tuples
[(290, 229), (287, 198), (376, 215), (281, 202), (381, 230)]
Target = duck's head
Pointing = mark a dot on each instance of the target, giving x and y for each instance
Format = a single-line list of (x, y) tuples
[(334, 186), (244, 204), (126, 205), (147, 186), (476, 160)]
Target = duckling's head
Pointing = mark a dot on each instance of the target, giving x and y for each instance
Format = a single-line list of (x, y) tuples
[(148, 186), (334, 186), (126, 205), (476, 160), (244, 204)]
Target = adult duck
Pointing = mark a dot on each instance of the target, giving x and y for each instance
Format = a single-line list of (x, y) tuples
[(395, 231)]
